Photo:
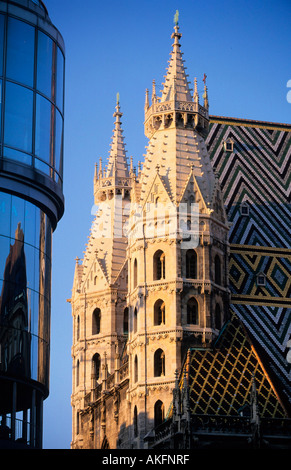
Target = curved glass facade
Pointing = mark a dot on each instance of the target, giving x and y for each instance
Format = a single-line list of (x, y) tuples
[(32, 68), (32, 90), (25, 286)]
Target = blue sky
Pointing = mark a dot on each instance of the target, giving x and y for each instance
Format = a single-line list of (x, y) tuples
[(244, 47)]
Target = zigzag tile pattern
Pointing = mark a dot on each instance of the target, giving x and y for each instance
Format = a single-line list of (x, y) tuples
[(257, 172), (246, 264)]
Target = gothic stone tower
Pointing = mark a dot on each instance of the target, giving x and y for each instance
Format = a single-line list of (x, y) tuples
[(142, 297), (177, 248), (99, 292)]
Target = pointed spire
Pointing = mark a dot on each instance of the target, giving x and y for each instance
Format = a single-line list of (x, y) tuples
[(185, 394), (205, 95), (154, 96), (176, 93), (100, 168), (254, 402), (147, 105), (255, 417), (176, 80), (132, 169), (195, 95), (176, 397), (117, 163)]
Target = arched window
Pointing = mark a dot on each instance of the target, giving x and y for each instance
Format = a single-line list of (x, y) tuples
[(135, 369), (78, 328), (159, 413), (217, 317), (192, 311), (159, 363), (77, 422), (96, 364), (159, 267), (159, 312), (96, 321), (191, 264), (135, 320), (217, 270), (135, 423), (77, 373), (125, 321), (135, 273), (191, 199)]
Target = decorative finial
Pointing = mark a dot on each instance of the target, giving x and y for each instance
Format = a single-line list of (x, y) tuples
[(195, 85), (195, 96), (100, 168), (205, 96), (204, 79), (176, 33), (147, 100), (117, 113), (154, 96)]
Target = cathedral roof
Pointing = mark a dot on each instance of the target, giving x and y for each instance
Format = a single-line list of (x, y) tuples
[(221, 378)]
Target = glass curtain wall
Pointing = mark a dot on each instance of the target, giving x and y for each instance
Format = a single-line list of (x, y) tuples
[(25, 285), (32, 90), (31, 204)]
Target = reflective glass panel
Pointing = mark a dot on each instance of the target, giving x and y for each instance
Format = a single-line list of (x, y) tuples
[(44, 64), (0, 107), (43, 167), (36, 270), (18, 156), (29, 223), (4, 250), (38, 3), (25, 286), (60, 79), (5, 213), (30, 253), (1, 43), (20, 51), (18, 115), (44, 121), (59, 144), (17, 218)]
